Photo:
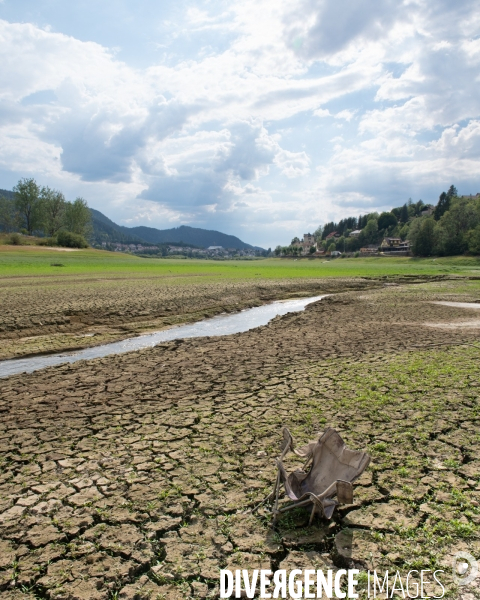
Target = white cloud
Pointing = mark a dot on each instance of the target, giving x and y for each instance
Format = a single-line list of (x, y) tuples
[(346, 114), (293, 164), (322, 112), (338, 29), (459, 143), (226, 135)]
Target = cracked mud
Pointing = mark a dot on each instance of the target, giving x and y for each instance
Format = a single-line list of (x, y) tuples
[(40, 317), (126, 477)]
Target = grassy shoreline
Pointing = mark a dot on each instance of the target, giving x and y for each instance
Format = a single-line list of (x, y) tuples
[(30, 261)]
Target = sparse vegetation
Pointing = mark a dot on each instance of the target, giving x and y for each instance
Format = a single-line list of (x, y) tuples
[(67, 239), (15, 239)]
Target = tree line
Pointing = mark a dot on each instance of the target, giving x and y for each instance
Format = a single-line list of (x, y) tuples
[(451, 227), (454, 227), (35, 210)]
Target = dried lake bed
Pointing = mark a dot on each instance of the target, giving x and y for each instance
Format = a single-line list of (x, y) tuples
[(223, 324), (126, 476)]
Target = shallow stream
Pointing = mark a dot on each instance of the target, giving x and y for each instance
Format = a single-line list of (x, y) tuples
[(224, 324)]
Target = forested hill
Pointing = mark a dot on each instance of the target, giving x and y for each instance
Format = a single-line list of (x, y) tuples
[(107, 230), (7, 194), (189, 235)]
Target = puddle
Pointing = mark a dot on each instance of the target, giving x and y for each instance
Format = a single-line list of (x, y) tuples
[(216, 326), (470, 324), (473, 324), (459, 304)]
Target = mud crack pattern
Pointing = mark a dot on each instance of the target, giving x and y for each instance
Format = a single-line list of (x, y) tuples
[(126, 477)]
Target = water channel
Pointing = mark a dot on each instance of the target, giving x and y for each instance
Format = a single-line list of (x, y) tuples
[(225, 324)]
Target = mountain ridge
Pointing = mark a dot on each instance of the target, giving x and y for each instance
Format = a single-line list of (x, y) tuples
[(196, 236), (189, 235)]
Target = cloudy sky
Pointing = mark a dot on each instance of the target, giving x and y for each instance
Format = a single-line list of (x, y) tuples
[(255, 117)]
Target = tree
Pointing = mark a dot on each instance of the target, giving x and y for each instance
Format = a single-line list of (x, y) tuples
[(403, 217), (53, 212), (443, 205), (312, 249), (371, 231), (418, 207), (352, 244), (452, 192), (294, 241), (71, 240), (463, 215), (332, 247), (78, 217), (363, 220), (278, 250), (28, 204), (318, 233), (404, 232), (387, 220), (411, 207), (8, 215), (414, 230), (345, 224), (473, 238), (444, 201), (425, 240)]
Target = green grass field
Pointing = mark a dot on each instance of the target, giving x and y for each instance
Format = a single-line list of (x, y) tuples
[(31, 261)]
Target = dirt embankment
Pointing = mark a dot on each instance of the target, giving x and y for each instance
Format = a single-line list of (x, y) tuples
[(126, 476)]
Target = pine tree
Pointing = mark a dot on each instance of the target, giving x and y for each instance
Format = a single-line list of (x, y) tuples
[(444, 202), (452, 192), (442, 206)]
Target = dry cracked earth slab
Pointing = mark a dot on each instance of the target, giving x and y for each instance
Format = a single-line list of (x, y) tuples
[(127, 477), (42, 315)]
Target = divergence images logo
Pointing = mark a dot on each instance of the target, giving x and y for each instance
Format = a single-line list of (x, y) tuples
[(465, 568)]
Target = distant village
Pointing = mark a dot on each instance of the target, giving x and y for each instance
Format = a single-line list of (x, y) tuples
[(182, 250), (451, 227), (311, 247)]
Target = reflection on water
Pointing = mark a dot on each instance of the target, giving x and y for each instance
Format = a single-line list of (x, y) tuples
[(219, 325)]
